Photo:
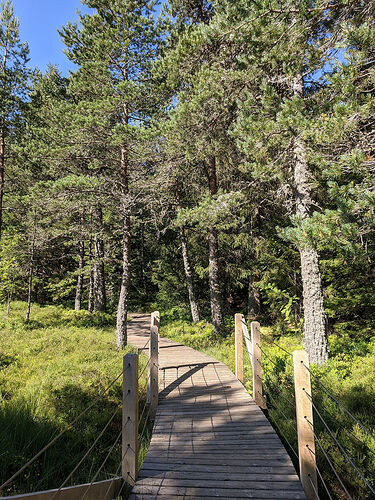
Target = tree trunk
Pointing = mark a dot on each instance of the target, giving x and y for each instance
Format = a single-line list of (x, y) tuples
[(79, 288), (10, 296), (31, 273), (2, 179), (143, 262), (99, 276), (215, 291), (315, 322), (90, 307), (2, 142), (189, 277), (185, 257), (122, 310), (253, 301)]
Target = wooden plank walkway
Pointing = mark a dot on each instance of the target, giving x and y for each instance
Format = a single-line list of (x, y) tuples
[(210, 439)]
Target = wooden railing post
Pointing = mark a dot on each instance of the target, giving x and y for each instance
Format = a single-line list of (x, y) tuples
[(257, 366), (155, 319), (153, 371), (305, 425), (130, 419), (238, 318)]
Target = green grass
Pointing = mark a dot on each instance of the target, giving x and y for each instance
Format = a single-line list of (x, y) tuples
[(349, 375), (51, 369), (54, 366)]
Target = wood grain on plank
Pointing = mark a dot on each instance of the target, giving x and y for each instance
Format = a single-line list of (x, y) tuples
[(210, 439)]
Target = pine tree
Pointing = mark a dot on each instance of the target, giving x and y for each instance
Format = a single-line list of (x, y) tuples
[(13, 81), (117, 44), (274, 116)]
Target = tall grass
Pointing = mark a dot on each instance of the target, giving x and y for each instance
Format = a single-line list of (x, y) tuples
[(51, 369)]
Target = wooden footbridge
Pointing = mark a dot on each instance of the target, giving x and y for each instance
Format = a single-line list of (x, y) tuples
[(210, 438)]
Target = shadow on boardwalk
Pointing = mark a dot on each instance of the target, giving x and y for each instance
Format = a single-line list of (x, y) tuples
[(210, 439)]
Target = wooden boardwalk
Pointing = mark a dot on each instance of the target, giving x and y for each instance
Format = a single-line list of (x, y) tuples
[(210, 439)]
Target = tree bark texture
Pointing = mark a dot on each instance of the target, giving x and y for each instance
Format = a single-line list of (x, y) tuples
[(31, 274), (187, 267), (2, 144), (253, 301), (79, 287), (2, 179), (91, 280), (189, 277), (122, 310), (10, 295), (215, 291), (99, 274), (315, 322)]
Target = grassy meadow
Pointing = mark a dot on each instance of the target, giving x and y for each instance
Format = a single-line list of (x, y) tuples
[(51, 369), (54, 366)]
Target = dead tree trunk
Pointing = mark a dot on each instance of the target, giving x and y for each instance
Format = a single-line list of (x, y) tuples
[(189, 277), (79, 287), (2, 141), (2, 178), (187, 267), (122, 310), (31, 273), (253, 301), (315, 322), (90, 307), (10, 296), (215, 292), (99, 274), (143, 262)]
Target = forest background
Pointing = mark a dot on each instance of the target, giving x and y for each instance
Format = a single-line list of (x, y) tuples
[(214, 159)]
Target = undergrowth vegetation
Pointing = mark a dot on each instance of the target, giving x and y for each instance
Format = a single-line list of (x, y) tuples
[(349, 376), (51, 369)]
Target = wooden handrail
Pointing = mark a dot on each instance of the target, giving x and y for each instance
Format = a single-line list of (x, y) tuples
[(303, 396), (153, 372), (257, 366), (107, 489), (254, 351), (305, 425), (130, 419), (246, 336), (238, 346)]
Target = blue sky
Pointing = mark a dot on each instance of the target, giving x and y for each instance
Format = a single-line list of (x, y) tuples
[(39, 20)]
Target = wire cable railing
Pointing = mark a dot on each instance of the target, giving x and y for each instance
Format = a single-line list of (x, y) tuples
[(102, 465), (341, 448), (60, 434), (131, 377), (87, 452), (320, 476), (279, 394), (272, 342), (317, 440), (340, 404)]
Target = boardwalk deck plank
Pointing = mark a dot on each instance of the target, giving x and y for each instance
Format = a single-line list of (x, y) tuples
[(210, 439)]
